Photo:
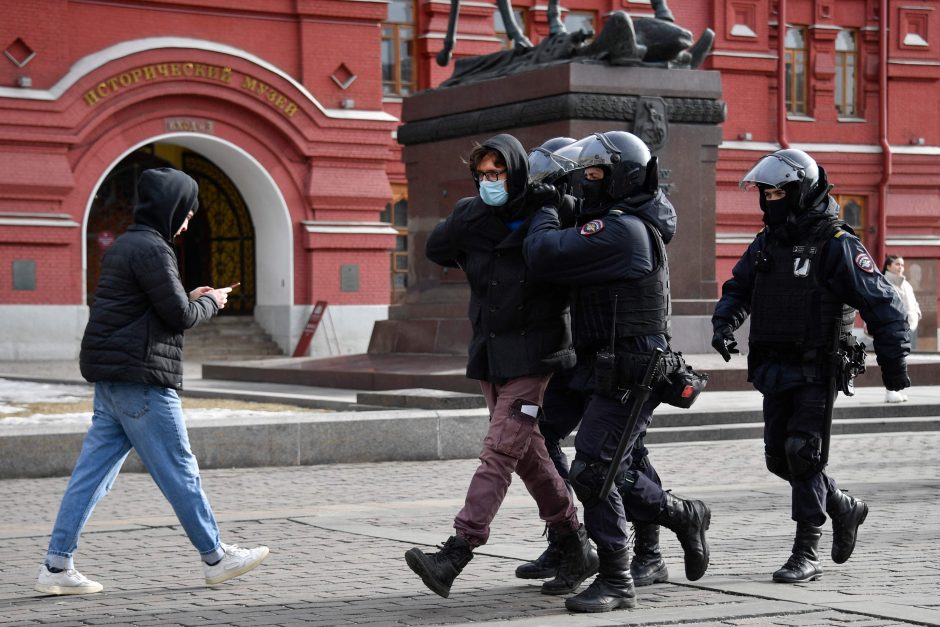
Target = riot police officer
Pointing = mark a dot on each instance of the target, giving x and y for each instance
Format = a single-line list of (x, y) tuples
[(802, 280), (555, 163), (614, 260), (520, 336)]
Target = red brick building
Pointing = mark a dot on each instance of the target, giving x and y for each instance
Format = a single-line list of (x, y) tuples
[(285, 112)]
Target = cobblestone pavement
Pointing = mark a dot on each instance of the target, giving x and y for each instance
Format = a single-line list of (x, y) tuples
[(338, 533)]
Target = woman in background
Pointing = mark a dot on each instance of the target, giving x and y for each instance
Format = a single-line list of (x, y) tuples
[(893, 270)]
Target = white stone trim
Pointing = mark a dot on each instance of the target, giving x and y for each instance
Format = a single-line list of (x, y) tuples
[(348, 227), (37, 219), (746, 55), (913, 240), (463, 37), (837, 148), (912, 62), (734, 238)]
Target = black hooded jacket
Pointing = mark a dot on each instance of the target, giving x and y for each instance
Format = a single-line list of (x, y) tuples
[(135, 327), (521, 325)]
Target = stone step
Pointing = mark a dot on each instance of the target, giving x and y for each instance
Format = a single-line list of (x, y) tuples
[(229, 338), (352, 437), (422, 398), (428, 369), (755, 430)]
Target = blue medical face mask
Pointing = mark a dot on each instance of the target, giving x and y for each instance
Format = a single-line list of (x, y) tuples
[(494, 193)]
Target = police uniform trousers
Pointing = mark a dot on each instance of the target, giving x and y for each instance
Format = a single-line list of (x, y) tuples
[(800, 410), (514, 444), (563, 408), (638, 497)]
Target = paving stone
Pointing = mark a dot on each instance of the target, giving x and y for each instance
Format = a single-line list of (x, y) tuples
[(338, 534)]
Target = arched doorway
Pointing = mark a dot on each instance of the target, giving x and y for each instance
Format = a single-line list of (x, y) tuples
[(218, 249)]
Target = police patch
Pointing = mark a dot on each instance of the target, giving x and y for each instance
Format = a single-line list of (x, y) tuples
[(864, 262), (592, 227)]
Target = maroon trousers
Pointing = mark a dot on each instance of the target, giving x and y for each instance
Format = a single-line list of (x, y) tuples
[(514, 444)]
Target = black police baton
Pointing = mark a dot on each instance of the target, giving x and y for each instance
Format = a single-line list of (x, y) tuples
[(638, 394)]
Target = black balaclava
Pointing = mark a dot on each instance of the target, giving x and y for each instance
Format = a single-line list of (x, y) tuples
[(594, 194), (778, 212)]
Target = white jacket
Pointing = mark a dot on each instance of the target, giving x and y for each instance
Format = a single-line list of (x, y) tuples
[(904, 289)]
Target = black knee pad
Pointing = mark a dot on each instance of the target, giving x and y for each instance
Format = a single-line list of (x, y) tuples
[(777, 464), (804, 455), (586, 481)]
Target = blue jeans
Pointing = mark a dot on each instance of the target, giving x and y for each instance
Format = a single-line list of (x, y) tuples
[(148, 418)]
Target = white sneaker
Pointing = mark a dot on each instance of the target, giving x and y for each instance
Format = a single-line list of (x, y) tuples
[(66, 582), (894, 397), (237, 561)]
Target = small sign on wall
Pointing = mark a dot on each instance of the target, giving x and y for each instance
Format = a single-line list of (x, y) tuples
[(24, 274), (349, 277)]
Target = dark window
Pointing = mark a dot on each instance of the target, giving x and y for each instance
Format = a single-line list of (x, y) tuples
[(398, 49), (846, 73), (796, 56), (396, 213), (579, 20), (521, 21), (853, 212)]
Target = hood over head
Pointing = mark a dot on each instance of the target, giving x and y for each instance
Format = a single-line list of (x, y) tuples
[(516, 159), (164, 198)]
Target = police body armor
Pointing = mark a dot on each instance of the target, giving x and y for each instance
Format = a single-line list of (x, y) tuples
[(643, 305), (792, 314)]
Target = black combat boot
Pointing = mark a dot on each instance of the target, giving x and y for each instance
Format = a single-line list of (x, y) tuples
[(611, 589), (578, 562), (803, 564), (647, 566), (438, 570), (545, 565), (688, 520), (847, 514)]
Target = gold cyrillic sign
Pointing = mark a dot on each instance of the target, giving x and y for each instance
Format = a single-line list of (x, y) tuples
[(158, 71)]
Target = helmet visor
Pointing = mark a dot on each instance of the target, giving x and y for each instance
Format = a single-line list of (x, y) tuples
[(547, 167), (598, 151), (773, 171)]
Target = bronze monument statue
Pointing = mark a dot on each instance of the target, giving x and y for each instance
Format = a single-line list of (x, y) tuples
[(641, 41)]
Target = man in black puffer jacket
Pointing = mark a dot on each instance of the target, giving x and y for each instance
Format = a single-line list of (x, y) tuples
[(132, 351)]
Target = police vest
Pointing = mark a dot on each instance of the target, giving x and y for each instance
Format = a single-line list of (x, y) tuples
[(643, 305), (791, 312)]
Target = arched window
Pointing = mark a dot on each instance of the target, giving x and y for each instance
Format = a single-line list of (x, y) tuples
[(852, 210), (846, 64), (795, 44)]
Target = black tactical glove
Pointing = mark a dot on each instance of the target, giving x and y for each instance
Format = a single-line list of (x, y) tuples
[(895, 376), (723, 341), (542, 195), (568, 212)]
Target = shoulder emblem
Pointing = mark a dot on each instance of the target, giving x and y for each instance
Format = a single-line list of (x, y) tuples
[(839, 233), (864, 262), (593, 227)]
